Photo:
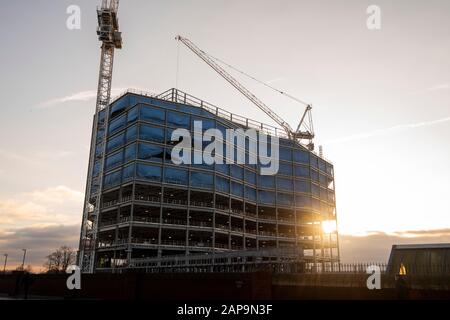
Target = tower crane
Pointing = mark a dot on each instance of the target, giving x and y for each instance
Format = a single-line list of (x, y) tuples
[(111, 39), (305, 121)]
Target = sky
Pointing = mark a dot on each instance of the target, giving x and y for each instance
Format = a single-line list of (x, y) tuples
[(381, 104)]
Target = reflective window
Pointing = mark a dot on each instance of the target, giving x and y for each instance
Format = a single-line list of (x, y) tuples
[(302, 201), (330, 196), (237, 189), (132, 115), (250, 177), (152, 114), (202, 180), (322, 166), (119, 105), (113, 161), (206, 123), (112, 179), (100, 134), (266, 181), (285, 168), (223, 168), (115, 142), (266, 197), (130, 152), (315, 190), (285, 199), (148, 172), (150, 152), (301, 156), (302, 186), (178, 120), (314, 161), (315, 204), (96, 169), (284, 184), (285, 154), (176, 176), (314, 175), (117, 124), (330, 169), (128, 172), (150, 133), (131, 133), (323, 180), (250, 193), (237, 172), (222, 184), (323, 194)]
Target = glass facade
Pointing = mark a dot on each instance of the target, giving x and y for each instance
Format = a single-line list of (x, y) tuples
[(151, 207)]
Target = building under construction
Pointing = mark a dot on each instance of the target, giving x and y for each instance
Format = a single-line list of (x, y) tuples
[(144, 211)]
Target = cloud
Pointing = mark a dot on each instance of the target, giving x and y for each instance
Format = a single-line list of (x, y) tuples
[(380, 132), (51, 205), (81, 96), (39, 241), (438, 87), (376, 246)]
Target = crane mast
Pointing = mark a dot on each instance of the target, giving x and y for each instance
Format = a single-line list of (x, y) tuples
[(297, 134), (111, 38)]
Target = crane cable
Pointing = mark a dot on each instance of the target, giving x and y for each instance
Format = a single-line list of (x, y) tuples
[(259, 81)]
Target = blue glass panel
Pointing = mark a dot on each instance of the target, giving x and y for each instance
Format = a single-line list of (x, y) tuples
[(330, 169), (128, 173), (113, 161), (112, 179), (152, 115), (266, 197), (115, 142), (314, 161), (315, 190), (250, 193), (266, 181), (150, 152), (131, 133), (150, 133), (322, 165), (132, 115), (285, 154), (178, 120), (301, 171), (176, 176), (284, 184), (206, 123), (250, 177), (100, 134), (130, 152), (96, 169), (285, 168), (119, 105), (202, 180), (116, 125), (237, 172), (314, 175), (222, 184), (285, 199), (322, 180), (302, 201), (148, 172), (302, 186), (301, 156), (223, 168), (237, 189)]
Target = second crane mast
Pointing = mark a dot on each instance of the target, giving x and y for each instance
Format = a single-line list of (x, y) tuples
[(297, 134)]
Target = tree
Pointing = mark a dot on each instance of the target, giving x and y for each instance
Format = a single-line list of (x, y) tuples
[(60, 259)]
